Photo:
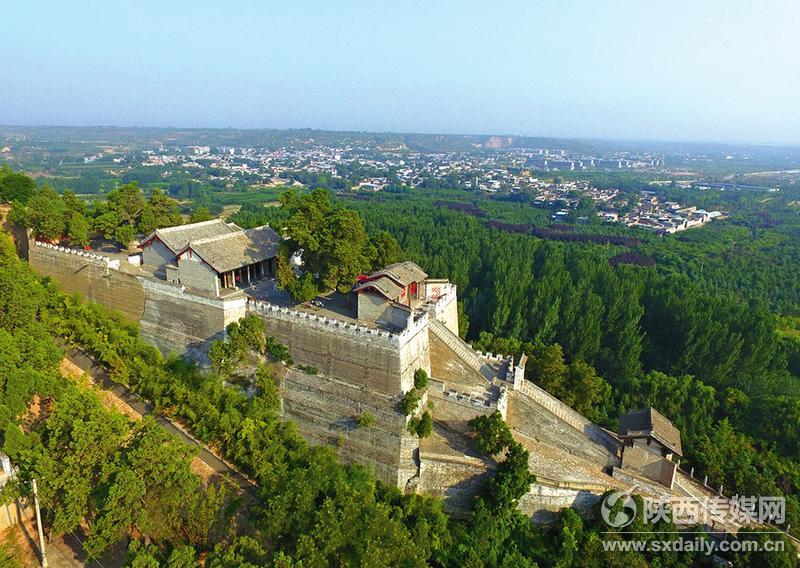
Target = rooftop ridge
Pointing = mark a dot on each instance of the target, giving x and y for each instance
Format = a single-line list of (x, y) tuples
[(185, 225), (205, 240), (259, 228)]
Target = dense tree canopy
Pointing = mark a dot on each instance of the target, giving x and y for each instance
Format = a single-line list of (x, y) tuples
[(603, 338), (125, 214), (15, 186), (332, 244)]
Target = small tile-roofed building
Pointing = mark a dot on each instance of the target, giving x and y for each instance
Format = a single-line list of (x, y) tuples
[(649, 424), (404, 273), (388, 295), (212, 256), (649, 442), (161, 247), (401, 282)]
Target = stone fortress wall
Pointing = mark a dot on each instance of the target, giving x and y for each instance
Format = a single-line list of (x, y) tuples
[(366, 356), (96, 277), (357, 368), (169, 317), (325, 411), (350, 369), (179, 322), (344, 370)]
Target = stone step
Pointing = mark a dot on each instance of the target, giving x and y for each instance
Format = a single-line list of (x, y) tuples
[(462, 349)]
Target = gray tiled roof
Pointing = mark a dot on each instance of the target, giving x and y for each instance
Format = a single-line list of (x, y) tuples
[(649, 422), (404, 273), (176, 238), (240, 248), (383, 285)]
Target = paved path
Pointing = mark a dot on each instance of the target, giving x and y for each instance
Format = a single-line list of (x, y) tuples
[(100, 377)]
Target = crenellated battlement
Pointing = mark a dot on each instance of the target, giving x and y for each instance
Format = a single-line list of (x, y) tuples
[(100, 260), (484, 402), (498, 359), (340, 327)]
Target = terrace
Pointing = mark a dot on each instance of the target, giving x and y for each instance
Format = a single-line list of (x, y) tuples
[(332, 305)]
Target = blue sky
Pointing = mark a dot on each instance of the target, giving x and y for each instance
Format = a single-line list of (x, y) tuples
[(677, 70)]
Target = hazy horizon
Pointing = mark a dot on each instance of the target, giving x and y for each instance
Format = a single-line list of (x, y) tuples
[(609, 71), (654, 141)]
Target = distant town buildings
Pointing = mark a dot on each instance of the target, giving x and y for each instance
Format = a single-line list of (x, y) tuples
[(369, 168), (496, 167)]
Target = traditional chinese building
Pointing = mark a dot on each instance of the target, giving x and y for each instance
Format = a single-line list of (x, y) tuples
[(401, 283), (390, 294), (211, 256), (649, 441)]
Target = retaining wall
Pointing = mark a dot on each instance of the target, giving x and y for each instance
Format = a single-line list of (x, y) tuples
[(457, 480), (177, 321), (543, 500), (325, 411)]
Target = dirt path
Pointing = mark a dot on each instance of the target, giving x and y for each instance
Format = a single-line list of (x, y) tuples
[(21, 543), (113, 400)]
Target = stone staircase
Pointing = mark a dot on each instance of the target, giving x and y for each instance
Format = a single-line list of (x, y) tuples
[(534, 394), (461, 348)]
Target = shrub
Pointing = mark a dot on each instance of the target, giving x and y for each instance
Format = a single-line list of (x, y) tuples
[(278, 350), (493, 434), (365, 420), (410, 402), (413, 424), (422, 427), (425, 425), (420, 379)]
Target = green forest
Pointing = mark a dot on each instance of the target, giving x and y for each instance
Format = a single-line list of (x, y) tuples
[(709, 335)]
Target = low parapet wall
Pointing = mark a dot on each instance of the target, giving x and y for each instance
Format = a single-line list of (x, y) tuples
[(484, 404), (568, 415), (100, 260), (555, 406), (328, 325), (458, 408)]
